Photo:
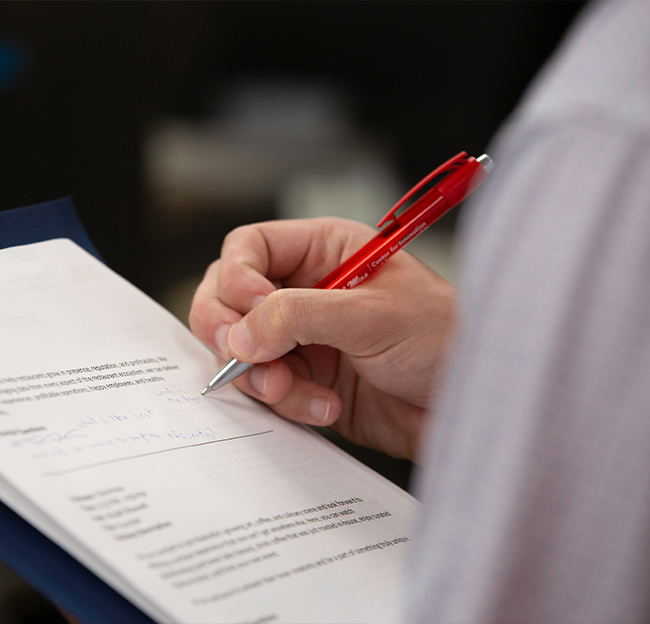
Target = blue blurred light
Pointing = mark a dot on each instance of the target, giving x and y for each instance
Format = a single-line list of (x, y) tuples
[(14, 62)]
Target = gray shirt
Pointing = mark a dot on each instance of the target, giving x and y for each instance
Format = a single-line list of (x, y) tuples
[(536, 489)]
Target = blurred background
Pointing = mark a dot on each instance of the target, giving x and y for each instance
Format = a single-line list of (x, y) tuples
[(170, 123)]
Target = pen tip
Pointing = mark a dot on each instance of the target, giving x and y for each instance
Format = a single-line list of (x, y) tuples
[(206, 390)]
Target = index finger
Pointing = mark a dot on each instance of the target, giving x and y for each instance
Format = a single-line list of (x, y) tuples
[(208, 313), (296, 253)]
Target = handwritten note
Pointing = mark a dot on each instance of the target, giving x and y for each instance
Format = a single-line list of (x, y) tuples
[(195, 508)]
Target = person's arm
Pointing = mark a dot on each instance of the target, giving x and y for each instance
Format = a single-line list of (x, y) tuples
[(536, 491), (364, 361)]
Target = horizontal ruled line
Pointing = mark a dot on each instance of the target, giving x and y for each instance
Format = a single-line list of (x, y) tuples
[(58, 473)]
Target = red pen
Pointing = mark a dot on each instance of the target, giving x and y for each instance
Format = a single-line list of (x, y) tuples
[(462, 174)]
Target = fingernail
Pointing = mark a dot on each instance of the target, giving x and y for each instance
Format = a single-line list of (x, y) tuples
[(255, 301), (221, 337), (240, 340), (319, 409), (258, 377)]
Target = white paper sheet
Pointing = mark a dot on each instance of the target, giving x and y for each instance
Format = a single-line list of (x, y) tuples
[(197, 509)]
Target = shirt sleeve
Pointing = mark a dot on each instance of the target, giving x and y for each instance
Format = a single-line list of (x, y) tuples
[(536, 490)]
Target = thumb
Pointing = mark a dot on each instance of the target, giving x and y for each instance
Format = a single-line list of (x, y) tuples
[(348, 320)]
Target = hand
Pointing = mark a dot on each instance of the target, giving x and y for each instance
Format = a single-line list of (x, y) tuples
[(365, 362)]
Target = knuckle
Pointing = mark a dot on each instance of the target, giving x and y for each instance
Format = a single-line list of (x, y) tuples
[(234, 234), (198, 322), (210, 279), (193, 321), (282, 312), (229, 280), (236, 237), (194, 317), (213, 268)]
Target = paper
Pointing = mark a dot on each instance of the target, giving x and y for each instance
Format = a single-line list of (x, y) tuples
[(197, 509)]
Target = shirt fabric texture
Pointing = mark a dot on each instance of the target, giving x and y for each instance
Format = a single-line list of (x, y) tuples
[(536, 486)]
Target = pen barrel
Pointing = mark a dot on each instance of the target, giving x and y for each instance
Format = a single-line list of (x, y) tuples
[(360, 266), (449, 192)]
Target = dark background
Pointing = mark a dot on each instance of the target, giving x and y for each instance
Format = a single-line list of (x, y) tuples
[(434, 77)]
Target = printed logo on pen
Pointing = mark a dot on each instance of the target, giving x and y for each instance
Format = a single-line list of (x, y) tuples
[(355, 281), (414, 232), (375, 264)]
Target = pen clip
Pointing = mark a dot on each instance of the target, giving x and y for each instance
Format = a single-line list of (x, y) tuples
[(452, 163)]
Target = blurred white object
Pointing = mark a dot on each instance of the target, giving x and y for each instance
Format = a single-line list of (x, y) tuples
[(275, 108), (362, 192), (267, 132)]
